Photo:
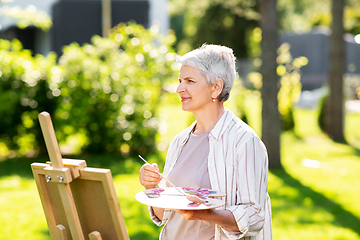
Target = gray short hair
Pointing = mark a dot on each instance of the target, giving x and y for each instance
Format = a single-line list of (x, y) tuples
[(214, 62)]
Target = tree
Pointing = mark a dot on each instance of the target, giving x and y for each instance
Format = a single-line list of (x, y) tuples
[(271, 124), (334, 118)]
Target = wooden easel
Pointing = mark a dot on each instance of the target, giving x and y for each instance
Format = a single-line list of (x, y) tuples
[(79, 202)]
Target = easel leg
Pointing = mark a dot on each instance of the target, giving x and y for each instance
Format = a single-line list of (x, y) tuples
[(72, 216), (60, 232), (95, 235)]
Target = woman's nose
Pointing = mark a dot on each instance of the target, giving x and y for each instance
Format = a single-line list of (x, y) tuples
[(180, 88)]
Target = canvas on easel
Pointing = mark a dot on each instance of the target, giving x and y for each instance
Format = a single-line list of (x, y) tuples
[(79, 202)]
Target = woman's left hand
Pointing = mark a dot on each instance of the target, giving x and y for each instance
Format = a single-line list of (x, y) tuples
[(222, 217), (194, 214)]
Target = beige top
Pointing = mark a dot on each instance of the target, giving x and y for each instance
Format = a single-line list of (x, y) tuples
[(191, 170)]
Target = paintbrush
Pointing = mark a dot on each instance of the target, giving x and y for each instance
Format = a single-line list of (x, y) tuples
[(183, 194)]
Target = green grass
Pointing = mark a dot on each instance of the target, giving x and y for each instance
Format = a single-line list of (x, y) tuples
[(318, 201)]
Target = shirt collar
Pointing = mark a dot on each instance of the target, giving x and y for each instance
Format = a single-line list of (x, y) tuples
[(222, 124), (218, 129), (187, 133)]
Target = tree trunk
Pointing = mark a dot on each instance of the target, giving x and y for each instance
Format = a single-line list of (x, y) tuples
[(334, 118), (106, 17), (271, 124)]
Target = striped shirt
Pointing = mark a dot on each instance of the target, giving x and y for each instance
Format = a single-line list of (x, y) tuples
[(238, 166)]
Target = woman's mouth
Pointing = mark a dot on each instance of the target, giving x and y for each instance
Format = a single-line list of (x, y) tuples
[(184, 99)]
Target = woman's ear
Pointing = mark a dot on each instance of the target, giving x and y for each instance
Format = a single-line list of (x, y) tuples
[(217, 88)]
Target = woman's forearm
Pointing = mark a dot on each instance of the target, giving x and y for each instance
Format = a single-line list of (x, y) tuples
[(159, 212), (224, 218)]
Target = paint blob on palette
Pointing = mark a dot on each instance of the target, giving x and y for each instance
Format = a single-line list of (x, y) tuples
[(200, 192), (153, 193), (193, 204)]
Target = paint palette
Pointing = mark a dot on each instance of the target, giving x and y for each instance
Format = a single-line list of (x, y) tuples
[(172, 199)]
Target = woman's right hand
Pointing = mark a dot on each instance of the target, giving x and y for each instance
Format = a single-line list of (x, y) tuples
[(149, 176)]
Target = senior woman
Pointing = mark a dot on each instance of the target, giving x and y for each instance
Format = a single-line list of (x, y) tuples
[(218, 151)]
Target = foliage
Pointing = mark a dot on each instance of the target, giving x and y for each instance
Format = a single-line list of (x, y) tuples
[(242, 94), (28, 16), (218, 22), (238, 100), (302, 16), (231, 22), (102, 96), (352, 17), (109, 90), (352, 91), (289, 92), (352, 85), (24, 93), (290, 86), (323, 106)]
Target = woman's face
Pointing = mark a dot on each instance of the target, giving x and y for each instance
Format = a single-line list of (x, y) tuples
[(193, 89)]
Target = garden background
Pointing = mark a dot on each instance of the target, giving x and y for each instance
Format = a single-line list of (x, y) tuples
[(113, 98)]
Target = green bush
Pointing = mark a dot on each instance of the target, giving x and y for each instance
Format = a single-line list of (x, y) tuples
[(322, 111), (290, 86), (289, 92), (24, 93), (102, 96), (109, 90)]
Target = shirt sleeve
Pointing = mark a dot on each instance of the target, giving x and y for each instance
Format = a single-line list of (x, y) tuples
[(251, 189), (167, 212), (154, 218), (170, 155)]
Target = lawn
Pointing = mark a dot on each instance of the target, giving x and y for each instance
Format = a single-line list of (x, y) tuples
[(315, 196)]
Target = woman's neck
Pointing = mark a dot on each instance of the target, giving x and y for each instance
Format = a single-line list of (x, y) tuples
[(205, 121)]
